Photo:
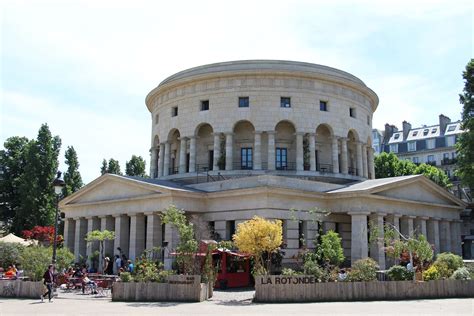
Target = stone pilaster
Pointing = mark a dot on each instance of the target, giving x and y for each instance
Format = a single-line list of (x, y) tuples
[(108, 223), (229, 151), (153, 162), (359, 242), (377, 246), (360, 168), (93, 223), (420, 225), (69, 233), (122, 233), (299, 152), (166, 155), (407, 226), (153, 231), (394, 221), (432, 231), (137, 236), (192, 154), (370, 163), (257, 156), (456, 237), (445, 235), (271, 150), (183, 145), (217, 151), (312, 152), (335, 154), (364, 162), (80, 234), (344, 165)]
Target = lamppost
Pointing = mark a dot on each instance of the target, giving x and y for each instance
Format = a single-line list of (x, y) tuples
[(58, 185)]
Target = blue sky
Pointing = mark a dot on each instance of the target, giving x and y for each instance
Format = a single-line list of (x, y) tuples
[(85, 67)]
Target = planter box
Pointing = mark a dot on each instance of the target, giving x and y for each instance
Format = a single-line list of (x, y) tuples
[(276, 288), (179, 288), (18, 288)]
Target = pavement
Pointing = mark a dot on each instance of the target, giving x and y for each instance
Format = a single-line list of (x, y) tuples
[(230, 302)]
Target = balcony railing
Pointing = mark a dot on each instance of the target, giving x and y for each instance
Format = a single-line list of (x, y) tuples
[(290, 166), (432, 163), (449, 161)]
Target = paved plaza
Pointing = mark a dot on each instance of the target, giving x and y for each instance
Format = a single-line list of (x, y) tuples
[(230, 303)]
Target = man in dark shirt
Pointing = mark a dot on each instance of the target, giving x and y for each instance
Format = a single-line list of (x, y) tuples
[(48, 277)]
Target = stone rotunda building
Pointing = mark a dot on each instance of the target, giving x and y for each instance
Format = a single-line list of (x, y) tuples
[(237, 139)]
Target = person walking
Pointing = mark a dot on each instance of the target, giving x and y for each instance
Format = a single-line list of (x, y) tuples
[(48, 277)]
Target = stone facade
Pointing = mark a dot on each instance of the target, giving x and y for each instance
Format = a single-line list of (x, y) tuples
[(327, 165)]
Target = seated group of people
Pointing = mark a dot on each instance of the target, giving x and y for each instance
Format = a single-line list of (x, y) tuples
[(12, 272), (82, 275)]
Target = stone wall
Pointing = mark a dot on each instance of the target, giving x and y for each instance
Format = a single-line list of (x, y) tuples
[(276, 289), (24, 289), (180, 288)]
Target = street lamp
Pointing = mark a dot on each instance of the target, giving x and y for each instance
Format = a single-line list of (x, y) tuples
[(58, 185)]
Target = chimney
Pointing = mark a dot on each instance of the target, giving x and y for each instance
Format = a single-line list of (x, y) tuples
[(406, 129), (389, 130), (443, 123)]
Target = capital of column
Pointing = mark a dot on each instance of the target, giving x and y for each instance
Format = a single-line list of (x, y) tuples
[(311, 134), (358, 213), (183, 138), (409, 216), (436, 219), (257, 132), (342, 139), (378, 214), (270, 132), (229, 133), (77, 218), (395, 215), (425, 218), (89, 217), (102, 216), (299, 133), (216, 134), (135, 214), (150, 213), (118, 215)]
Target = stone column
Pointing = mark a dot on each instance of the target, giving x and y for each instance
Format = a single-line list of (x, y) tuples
[(312, 152), (80, 234), (217, 150), (359, 246), (271, 150), (445, 236), (335, 155), (406, 225), (161, 160), (257, 155), (108, 223), (359, 159), (327, 226), (364, 162), (137, 236), (299, 151), (456, 237), (420, 225), (229, 151), (292, 237), (394, 220), (172, 240), (432, 231), (344, 166), (370, 162), (93, 223), (166, 159), (122, 233), (220, 227), (153, 231), (377, 247), (69, 233), (153, 162), (183, 145), (312, 234), (192, 154)]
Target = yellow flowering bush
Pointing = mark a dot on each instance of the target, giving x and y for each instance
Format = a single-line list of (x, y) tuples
[(258, 236)]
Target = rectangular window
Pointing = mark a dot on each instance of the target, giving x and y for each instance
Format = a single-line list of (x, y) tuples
[(230, 229), (323, 106), (244, 102), (431, 158), (415, 133), (368, 120), (174, 111), (281, 158), (416, 160), (246, 159), (430, 143), (450, 140), (205, 105), (394, 148), (446, 156), (451, 128), (285, 102), (425, 132), (352, 112), (411, 146)]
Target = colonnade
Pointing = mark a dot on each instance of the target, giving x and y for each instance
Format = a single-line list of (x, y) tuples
[(361, 164)]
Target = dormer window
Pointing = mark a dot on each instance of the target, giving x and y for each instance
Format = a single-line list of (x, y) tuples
[(415, 133), (433, 130), (451, 128), (425, 132), (397, 136)]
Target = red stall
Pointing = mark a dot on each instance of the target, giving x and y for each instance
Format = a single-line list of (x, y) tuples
[(233, 269)]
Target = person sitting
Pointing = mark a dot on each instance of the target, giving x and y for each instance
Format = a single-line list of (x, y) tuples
[(86, 281), (11, 272), (342, 276), (130, 266)]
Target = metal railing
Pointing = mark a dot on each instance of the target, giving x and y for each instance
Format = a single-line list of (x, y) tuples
[(243, 166), (352, 171), (290, 166), (324, 168), (174, 170), (448, 161)]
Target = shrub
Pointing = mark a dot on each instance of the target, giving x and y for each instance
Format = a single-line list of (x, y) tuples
[(432, 273), (9, 253), (289, 271), (399, 273), (35, 260), (311, 267), (364, 270), (453, 261), (330, 249), (461, 274), (126, 277)]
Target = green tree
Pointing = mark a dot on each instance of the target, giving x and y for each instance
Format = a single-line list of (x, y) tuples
[(135, 167), (114, 167), (330, 249), (12, 165), (72, 176), (37, 195), (465, 144), (101, 237), (388, 165), (103, 168)]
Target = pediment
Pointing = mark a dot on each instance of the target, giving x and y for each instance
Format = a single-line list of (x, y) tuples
[(109, 188), (417, 191)]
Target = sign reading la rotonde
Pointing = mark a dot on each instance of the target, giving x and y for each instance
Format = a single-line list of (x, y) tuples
[(288, 280)]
